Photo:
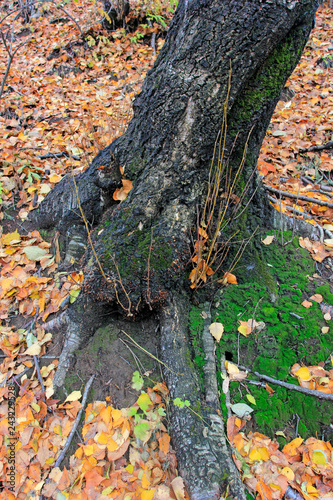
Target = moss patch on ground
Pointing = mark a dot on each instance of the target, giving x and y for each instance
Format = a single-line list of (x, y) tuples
[(273, 282)]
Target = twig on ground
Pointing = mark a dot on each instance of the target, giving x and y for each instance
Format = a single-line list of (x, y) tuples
[(318, 147), (300, 197), (76, 423), (292, 387)]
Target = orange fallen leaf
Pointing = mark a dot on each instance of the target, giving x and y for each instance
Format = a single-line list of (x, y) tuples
[(264, 491), (307, 304)]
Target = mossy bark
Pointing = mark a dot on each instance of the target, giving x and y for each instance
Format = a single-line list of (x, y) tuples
[(143, 244)]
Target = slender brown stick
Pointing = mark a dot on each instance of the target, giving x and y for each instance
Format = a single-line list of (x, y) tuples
[(292, 387), (300, 197)]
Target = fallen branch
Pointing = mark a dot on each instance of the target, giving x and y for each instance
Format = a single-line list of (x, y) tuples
[(299, 197), (76, 423), (320, 147), (291, 387)]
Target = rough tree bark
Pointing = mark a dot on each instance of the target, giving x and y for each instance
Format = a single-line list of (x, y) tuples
[(143, 244)]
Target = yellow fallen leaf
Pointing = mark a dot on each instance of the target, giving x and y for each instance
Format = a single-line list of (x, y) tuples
[(268, 240), (319, 457), (101, 438), (147, 494), (145, 482), (325, 329), (288, 472), (327, 317), (216, 329), (243, 328), (251, 399), (311, 490), (259, 454), (303, 373), (231, 368), (74, 396), (10, 238), (33, 350), (54, 178)]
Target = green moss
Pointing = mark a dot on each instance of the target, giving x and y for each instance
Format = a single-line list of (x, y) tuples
[(268, 81), (136, 252), (292, 335)]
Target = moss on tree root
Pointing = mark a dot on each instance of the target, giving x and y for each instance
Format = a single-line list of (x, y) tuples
[(273, 282)]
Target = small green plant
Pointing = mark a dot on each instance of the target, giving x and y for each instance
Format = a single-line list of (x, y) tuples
[(136, 38), (158, 19), (1, 192), (28, 172), (180, 403), (146, 417)]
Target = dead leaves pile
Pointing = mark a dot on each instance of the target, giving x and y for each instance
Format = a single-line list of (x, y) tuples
[(22, 287), (99, 466), (313, 377), (305, 466), (319, 251), (302, 122), (74, 99)]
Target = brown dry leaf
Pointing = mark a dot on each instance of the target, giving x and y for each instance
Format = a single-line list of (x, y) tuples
[(120, 194), (231, 278), (178, 488), (317, 298), (307, 304)]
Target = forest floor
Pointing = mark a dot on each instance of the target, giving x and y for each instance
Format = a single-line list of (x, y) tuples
[(65, 98)]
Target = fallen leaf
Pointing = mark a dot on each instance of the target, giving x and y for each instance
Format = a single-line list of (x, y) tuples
[(307, 304), (317, 298), (268, 240), (216, 329), (74, 396), (251, 399), (329, 242), (241, 409), (34, 252), (288, 472), (178, 488)]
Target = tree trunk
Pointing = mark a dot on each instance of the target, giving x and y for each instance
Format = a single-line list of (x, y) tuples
[(143, 245)]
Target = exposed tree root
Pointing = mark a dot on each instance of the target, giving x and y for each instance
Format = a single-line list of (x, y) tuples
[(204, 457)]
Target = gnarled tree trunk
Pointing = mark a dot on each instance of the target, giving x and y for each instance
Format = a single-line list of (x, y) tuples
[(143, 244)]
